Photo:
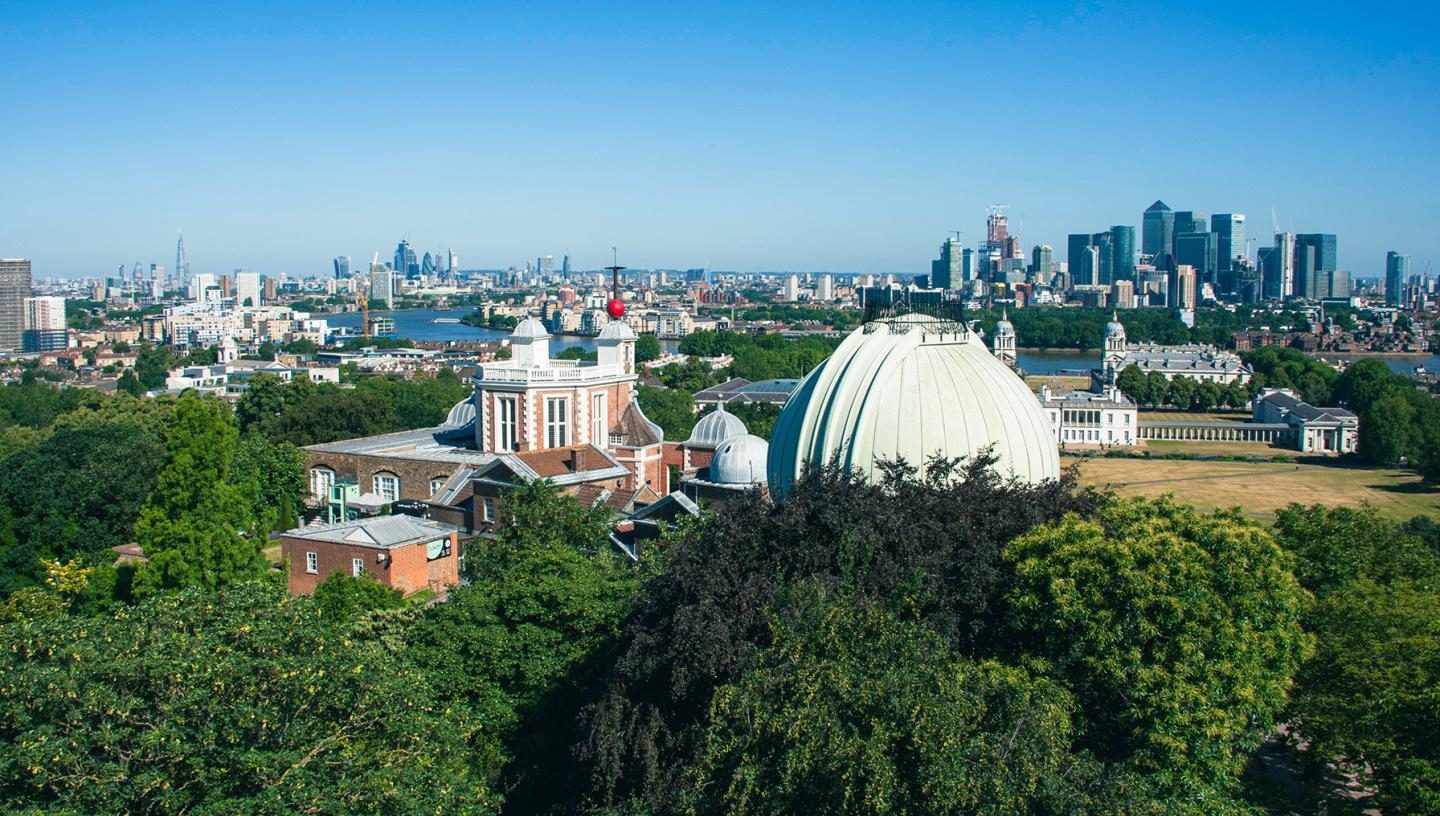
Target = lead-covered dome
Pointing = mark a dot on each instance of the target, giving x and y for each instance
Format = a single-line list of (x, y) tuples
[(714, 428), (911, 387), (740, 460)]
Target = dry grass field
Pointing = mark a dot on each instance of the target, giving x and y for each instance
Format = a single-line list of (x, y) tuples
[(1057, 383), (1194, 416), (1262, 488)]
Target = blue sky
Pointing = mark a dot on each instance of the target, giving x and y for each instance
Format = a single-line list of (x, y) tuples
[(801, 136)]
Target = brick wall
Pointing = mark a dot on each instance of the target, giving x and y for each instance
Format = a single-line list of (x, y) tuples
[(414, 475), (404, 568)]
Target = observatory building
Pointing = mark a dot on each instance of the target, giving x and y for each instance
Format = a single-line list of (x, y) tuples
[(911, 386)]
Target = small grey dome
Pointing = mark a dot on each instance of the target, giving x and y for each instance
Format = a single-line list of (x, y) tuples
[(1003, 326), (1114, 327), (714, 428), (617, 330), (461, 415), (529, 329), (740, 460)]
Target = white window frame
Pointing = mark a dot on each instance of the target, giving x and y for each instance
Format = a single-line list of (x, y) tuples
[(487, 509), (357, 567), (321, 480), (435, 486), (312, 563), (557, 422), (599, 417), (506, 409), (382, 481)]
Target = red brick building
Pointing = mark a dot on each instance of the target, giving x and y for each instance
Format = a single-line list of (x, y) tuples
[(401, 552)]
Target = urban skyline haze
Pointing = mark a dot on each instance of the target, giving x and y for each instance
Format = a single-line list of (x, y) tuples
[(802, 138)]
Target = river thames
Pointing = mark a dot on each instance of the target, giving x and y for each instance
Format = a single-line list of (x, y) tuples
[(418, 324)]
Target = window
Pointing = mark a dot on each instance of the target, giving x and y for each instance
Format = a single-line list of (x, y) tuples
[(357, 567), (599, 420), (387, 486), (557, 422), (312, 562), (504, 424), (435, 485), (489, 510), (321, 480)]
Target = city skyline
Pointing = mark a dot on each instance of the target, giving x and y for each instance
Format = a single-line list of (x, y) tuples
[(850, 141)]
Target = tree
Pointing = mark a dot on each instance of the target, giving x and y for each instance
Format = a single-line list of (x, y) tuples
[(672, 410), (1157, 387), (1132, 383), (340, 598), (151, 365), (130, 383), (1364, 383), (849, 710), (197, 527), (273, 478), (239, 701), (1388, 431), (647, 348), (927, 549), (1208, 395), (1177, 631), (1366, 701), (1181, 393)]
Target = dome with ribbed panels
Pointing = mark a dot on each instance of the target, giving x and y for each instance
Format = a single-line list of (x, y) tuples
[(911, 387), (714, 428), (740, 460)]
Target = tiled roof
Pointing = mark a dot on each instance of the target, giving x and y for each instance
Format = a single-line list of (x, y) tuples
[(382, 532), (637, 428)]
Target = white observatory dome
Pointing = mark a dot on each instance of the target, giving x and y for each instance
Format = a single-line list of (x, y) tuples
[(911, 387), (740, 460), (714, 428)]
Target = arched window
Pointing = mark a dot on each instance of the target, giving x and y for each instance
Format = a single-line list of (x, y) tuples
[(321, 480), (387, 486)]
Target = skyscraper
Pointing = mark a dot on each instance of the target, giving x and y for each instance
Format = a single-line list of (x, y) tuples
[(1104, 243), (1078, 256), (342, 266), (182, 261), (945, 272), (45, 324), (453, 266), (1277, 268), (427, 266), (1190, 221), (1123, 253), (1042, 261), (1229, 229), (247, 288), (14, 288), (1315, 259), (1397, 269), (382, 284), (1198, 250), (406, 264), (1182, 290), (1157, 230)]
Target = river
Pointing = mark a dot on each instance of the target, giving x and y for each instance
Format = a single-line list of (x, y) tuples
[(417, 324)]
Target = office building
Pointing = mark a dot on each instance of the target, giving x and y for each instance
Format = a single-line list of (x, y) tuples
[(382, 285), (247, 288), (14, 288), (1104, 244), (1277, 268), (1190, 221), (204, 287), (545, 266), (1078, 247), (824, 289), (792, 289), (1397, 269), (1157, 230), (1183, 289), (453, 263), (1230, 249), (1042, 261), (44, 324), (342, 267), (1122, 256), (1315, 259), (1199, 250), (946, 272), (406, 264)]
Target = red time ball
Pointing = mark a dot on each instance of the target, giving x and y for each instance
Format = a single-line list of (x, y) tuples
[(616, 308)]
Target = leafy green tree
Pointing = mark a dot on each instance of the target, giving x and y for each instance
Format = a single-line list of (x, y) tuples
[(1388, 430), (239, 701), (262, 404), (273, 477), (340, 598), (576, 353), (1177, 631), (1132, 383), (849, 710), (533, 631), (1367, 700), (672, 410), (151, 365), (1209, 395), (1157, 387), (303, 346), (1181, 393), (197, 527), (647, 348), (130, 383), (1364, 383)]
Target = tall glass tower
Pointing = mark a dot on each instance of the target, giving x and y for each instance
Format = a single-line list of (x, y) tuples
[(1229, 229), (1397, 268), (1157, 230), (1123, 253)]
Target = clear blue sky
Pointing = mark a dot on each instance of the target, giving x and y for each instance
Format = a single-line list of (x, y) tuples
[(801, 136)]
